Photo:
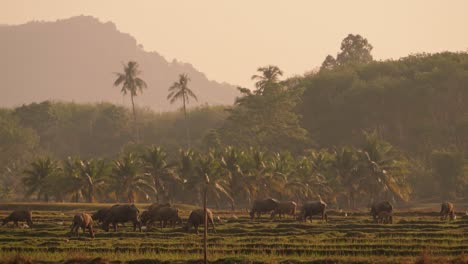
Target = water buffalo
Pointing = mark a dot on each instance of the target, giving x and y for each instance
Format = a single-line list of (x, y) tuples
[(84, 221), (197, 218), (313, 208), (101, 214), (447, 209), (122, 214), (263, 206), (288, 207), (156, 206), (377, 208), (19, 215), (384, 217), (163, 215)]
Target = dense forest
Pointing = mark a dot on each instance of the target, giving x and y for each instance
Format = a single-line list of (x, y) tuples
[(353, 131)]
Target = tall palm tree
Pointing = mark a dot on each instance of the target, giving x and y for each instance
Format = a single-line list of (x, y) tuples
[(38, 178), (131, 83), (128, 182), (268, 79), (180, 91), (157, 167)]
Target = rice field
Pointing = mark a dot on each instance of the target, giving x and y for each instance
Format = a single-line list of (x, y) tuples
[(348, 237)]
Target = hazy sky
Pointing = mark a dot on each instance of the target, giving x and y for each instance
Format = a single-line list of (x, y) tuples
[(228, 40)]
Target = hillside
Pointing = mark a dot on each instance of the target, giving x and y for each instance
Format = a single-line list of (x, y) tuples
[(74, 60)]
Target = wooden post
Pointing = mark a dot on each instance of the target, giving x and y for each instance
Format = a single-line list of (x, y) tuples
[(205, 233)]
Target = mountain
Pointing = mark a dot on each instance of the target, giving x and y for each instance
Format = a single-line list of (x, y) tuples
[(75, 59)]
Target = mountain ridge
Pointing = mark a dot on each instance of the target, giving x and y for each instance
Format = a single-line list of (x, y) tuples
[(75, 59)]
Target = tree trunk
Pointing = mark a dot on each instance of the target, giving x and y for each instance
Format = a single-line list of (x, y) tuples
[(135, 127), (155, 183), (186, 123)]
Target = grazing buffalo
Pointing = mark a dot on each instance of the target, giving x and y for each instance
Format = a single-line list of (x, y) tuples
[(447, 209), (263, 206), (122, 214), (288, 207), (101, 214), (197, 218), (385, 217), (84, 221), (156, 206), (313, 208), (19, 215), (377, 208), (163, 215)]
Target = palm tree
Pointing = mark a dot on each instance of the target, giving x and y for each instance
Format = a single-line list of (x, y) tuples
[(379, 173), (127, 179), (268, 79), (72, 175), (131, 83), (157, 167), (180, 91), (344, 163), (210, 178), (38, 178), (91, 173)]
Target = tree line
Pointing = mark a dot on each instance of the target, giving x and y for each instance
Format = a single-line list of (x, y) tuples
[(345, 177), (415, 104)]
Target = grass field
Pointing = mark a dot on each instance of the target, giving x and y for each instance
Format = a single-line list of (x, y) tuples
[(415, 236)]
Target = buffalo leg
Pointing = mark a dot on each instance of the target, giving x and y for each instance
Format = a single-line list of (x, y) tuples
[(213, 225), (91, 232)]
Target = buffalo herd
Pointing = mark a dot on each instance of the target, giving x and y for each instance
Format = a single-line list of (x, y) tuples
[(166, 214)]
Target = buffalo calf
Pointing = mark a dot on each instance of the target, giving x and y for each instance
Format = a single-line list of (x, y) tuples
[(83, 220)]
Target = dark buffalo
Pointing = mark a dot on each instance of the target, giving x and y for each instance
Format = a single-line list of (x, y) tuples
[(122, 214), (313, 208), (288, 207), (19, 215), (163, 215), (156, 206), (447, 209), (384, 217), (263, 206), (101, 214), (84, 221), (377, 208), (197, 218)]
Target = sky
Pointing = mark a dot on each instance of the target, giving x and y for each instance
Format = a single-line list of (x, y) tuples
[(229, 40)]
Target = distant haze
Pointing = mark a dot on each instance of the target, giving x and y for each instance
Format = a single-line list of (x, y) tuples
[(76, 59), (228, 40)]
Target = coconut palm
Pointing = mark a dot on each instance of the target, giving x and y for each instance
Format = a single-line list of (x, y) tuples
[(131, 84), (209, 177), (180, 91), (240, 185), (269, 78), (72, 175), (38, 178), (156, 166), (344, 163), (379, 173), (128, 180), (92, 173)]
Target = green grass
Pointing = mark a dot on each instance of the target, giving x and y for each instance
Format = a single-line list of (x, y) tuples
[(352, 239)]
